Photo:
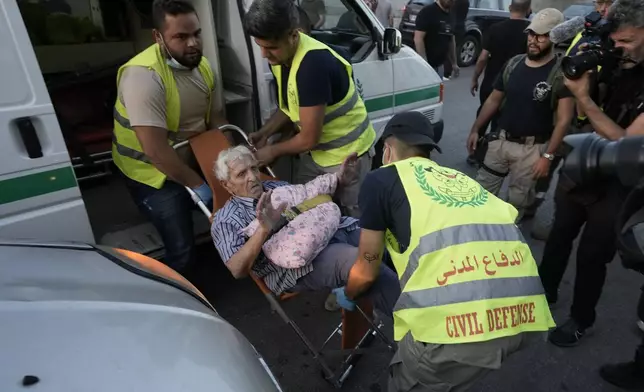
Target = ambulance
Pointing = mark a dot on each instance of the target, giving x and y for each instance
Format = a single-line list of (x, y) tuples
[(58, 87)]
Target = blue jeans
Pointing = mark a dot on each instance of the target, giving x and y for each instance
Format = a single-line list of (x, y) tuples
[(331, 269), (170, 211)]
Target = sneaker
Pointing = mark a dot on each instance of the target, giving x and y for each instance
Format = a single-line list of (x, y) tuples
[(624, 375), (331, 303), (567, 335)]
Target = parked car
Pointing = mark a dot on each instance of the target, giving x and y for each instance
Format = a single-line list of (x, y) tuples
[(572, 12), (77, 317), (482, 15)]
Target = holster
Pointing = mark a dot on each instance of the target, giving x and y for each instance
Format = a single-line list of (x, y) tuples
[(482, 146)]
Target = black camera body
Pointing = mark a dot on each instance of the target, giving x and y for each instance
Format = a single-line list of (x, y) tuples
[(601, 52)]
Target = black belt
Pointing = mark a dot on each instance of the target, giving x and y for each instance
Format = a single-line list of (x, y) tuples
[(538, 139)]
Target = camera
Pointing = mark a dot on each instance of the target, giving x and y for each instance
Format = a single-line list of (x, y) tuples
[(600, 52), (590, 158)]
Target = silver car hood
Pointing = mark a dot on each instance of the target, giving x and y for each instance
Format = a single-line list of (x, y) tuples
[(78, 321)]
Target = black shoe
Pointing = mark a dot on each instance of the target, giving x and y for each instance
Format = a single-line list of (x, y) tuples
[(567, 335), (471, 160), (624, 375)]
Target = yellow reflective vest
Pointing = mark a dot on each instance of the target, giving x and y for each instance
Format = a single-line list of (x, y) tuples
[(346, 126), (468, 275), (127, 152)]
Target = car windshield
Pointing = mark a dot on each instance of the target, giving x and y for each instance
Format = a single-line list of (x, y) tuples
[(578, 10)]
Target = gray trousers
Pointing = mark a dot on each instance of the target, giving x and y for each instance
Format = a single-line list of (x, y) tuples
[(427, 367), (307, 170), (331, 269)]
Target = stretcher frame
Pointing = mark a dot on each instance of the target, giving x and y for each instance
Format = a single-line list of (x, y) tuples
[(357, 329)]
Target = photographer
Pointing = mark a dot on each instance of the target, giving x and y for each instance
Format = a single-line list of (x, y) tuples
[(619, 114)]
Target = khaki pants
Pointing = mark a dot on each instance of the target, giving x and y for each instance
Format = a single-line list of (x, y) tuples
[(516, 159), (426, 367), (307, 170)]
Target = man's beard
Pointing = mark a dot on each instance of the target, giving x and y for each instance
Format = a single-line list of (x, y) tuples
[(541, 54), (191, 61)]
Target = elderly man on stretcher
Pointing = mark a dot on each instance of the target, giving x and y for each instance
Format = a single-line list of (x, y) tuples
[(292, 236)]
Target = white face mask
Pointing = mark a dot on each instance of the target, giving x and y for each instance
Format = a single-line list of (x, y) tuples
[(172, 62), (384, 152)]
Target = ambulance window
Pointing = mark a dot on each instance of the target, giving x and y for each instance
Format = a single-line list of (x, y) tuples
[(15, 86), (333, 15)]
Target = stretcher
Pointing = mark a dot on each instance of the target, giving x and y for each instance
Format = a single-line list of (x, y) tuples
[(357, 329)]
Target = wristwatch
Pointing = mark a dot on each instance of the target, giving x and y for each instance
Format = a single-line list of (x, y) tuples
[(549, 157)]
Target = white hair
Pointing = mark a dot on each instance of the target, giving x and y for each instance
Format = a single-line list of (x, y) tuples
[(229, 155)]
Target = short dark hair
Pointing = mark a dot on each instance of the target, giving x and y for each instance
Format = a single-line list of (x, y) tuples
[(626, 13), (271, 19), (520, 5), (161, 8)]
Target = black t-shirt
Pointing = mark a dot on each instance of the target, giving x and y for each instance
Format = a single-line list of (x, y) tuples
[(624, 89), (321, 79), (504, 40), (528, 107), (384, 205), (459, 11), (438, 26)]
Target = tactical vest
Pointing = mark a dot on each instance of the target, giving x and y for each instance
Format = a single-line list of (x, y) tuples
[(468, 275), (127, 152), (346, 127)]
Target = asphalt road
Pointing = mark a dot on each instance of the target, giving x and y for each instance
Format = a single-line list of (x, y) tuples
[(540, 368)]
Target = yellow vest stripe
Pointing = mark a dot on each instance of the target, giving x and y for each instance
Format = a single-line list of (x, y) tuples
[(458, 235), (475, 290), (345, 139), (342, 110)]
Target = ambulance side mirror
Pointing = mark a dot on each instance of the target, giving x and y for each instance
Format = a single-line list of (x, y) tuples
[(391, 41)]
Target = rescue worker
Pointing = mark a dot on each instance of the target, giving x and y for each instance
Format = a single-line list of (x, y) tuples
[(316, 92), (165, 94), (470, 289)]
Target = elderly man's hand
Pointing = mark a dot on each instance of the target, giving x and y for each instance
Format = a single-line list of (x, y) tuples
[(349, 170), (266, 214)]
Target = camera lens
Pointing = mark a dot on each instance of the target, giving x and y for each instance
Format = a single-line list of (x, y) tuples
[(581, 164), (575, 66)]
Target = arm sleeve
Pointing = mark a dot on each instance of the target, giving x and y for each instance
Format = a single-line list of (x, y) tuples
[(424, 20), (226, 234), (314, 78), (489, 40), (372, 201), (498, 82), (143, 95)]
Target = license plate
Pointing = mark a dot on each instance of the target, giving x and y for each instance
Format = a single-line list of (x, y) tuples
[(412, 18)]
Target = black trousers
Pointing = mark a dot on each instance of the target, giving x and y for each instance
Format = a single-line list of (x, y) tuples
[(639, 354), (597, 246), (484, 93)]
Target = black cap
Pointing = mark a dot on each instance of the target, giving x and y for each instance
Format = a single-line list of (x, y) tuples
[(411, 128)]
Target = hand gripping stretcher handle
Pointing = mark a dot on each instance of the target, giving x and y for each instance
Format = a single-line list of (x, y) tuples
[(225, 127)]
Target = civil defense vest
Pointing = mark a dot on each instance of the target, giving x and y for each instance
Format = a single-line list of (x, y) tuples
[(468, 275), (346, 126), (127, 152)]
